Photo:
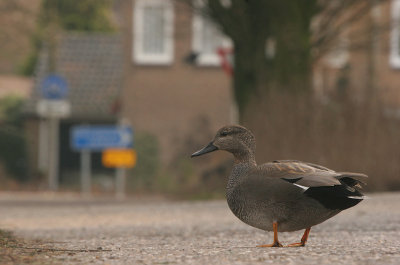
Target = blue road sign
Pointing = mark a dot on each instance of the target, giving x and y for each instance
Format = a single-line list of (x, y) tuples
[(98, 138), (54, 87)]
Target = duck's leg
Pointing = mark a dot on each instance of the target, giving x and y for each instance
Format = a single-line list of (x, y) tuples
[(276, 242), (303, 239)]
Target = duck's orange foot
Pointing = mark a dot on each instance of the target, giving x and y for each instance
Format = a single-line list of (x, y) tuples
[(273, 245), (300, 244), (303, 240)]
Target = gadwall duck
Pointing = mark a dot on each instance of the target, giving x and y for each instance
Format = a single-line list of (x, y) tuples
[(284, 195)]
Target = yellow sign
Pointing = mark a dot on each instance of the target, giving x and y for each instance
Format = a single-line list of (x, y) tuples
[(119, 158)]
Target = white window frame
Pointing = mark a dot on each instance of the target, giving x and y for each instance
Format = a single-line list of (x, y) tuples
[(394, 57), (141, 57), (204, 59)]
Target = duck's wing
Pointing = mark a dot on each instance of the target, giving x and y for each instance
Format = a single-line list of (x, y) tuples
[(303, 163), (312, 175), (334, 190), (301, 174)]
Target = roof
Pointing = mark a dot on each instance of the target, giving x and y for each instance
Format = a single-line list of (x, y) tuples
[(92, 65)]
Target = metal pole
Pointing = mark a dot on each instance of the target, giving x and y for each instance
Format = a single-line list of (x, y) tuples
[(85, 172), (53, 154), (120, 183)]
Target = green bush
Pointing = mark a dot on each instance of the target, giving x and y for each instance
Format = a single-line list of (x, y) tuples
[(11, 111), (144, 174), (13, 153), (67, 15)]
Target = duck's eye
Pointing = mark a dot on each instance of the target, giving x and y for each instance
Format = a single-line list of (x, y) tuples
[(224, 133)]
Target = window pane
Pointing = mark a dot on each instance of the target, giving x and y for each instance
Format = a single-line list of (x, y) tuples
[(153, 30), (212, 38)]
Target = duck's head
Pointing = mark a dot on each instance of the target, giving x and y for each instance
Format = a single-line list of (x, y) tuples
[(232, 138)]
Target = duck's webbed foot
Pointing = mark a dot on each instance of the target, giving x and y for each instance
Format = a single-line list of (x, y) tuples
[(300, 244), (276, 242), (303, 241)]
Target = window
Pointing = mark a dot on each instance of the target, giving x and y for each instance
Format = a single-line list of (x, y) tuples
[(153, 32), (207, 38), (394, 58)]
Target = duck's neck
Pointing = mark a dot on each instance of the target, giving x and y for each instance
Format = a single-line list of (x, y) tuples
[(244, 162), (245, 157), (241, 167)]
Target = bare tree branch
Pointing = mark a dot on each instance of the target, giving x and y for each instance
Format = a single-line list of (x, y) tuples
[(334, 21)]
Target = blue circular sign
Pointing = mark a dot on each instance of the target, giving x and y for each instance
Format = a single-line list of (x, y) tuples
[(54, 87)]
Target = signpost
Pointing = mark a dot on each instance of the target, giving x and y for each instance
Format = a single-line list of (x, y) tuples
[(52, 107), (54, 87), (100, 137), (123, 158), (116, 140), (119, 159)]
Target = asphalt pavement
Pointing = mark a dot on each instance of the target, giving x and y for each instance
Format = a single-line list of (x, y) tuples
[(157, 231)]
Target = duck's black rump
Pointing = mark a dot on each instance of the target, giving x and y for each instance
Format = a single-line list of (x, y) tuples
[(338, 197)]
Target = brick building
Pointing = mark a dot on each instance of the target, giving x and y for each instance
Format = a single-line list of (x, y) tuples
[(160, 74), (366, 59), (165, 92)]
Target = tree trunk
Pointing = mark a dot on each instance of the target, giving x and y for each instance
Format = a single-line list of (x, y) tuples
[(253, 24), (248, 79), (255, 75)]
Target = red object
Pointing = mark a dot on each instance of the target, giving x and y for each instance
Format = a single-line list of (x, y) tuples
[(226, 64), (116, 106)]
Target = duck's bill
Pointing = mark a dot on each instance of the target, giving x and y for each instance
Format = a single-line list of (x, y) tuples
[(209, 148)]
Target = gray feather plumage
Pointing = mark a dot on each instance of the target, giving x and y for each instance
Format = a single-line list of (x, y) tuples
[(294, 194)]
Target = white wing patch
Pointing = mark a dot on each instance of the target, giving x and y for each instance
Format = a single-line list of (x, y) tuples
[(358, 197), (300, 186)]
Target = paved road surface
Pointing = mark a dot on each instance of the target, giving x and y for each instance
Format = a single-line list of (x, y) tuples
[(162, 232)]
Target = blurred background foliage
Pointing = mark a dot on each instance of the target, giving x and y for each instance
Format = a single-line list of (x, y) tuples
[(148, 165), (11, 111), (83, 15), (183, 177), (56, 16), (13, 153)]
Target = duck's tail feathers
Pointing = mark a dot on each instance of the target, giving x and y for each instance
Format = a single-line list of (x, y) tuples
[(352, 179)]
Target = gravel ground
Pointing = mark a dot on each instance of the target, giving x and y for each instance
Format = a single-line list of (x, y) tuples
[(101, 231)]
